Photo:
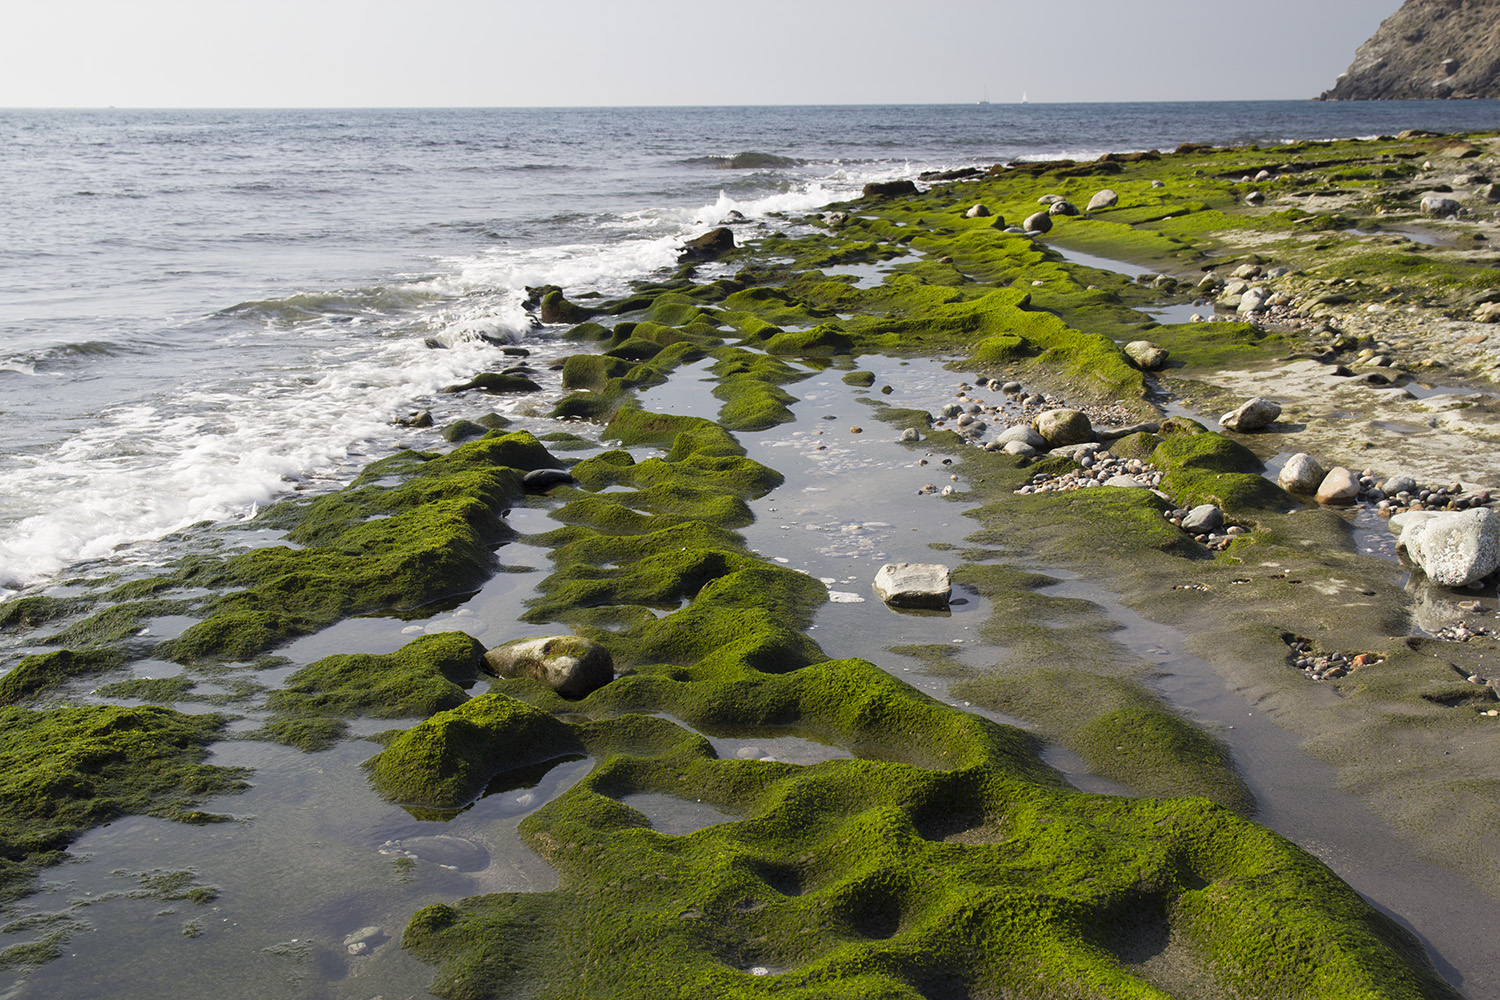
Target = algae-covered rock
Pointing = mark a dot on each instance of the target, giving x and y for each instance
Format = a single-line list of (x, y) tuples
[(914, 585), (447, 760), (43, 671), (542, 480), (888, 189), (498, 383), (1148, 357), (710, 246), (568, 664)]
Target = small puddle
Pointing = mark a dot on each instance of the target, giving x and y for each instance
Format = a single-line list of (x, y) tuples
[(674, 816)]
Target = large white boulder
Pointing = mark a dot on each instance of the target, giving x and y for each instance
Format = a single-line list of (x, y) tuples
[(914, 585), (570, 665), (1453, 547)]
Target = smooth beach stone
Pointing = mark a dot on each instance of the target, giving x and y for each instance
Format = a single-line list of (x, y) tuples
[(1049, 199), (914, 585), (1126, 482), (1063, 427), (1103, 199), (1339, 486), (542, 480), (1251, 415), (1398, 484), (1254, 198), (1115, 433), (1148, 357), (1062, 208), (1301, 474), (1040, 222), (977, 212), (1023, 433), (1203, 519), (1454, 548), (1018, 448), (909, 435), (1253, 301), (570, 665)]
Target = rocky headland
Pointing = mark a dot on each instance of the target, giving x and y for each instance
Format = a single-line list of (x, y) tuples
[(1427, 49)]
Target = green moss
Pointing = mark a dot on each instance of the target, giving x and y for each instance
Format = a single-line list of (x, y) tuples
[(42, 672), (369, 547), (158, 690), (29, 612), (864, 379), (1210, 468), (423, 677), (447, 760), (67, 769)]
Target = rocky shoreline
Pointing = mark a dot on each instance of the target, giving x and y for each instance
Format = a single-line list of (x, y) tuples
[(942, 858)]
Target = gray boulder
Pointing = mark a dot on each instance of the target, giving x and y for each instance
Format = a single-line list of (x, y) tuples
[(1251, 415), (1063, 427), (1062, 208), (1439, 206), (914, 585), (1203, 519), (1147, 356), (1454, 548), (977, 212), (1103, 199), (1301, 474), (1398, 484), (1023, 433), (568, 664), (1126, 482)]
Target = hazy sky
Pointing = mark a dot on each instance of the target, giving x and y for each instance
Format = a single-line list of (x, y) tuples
[(343, 53)]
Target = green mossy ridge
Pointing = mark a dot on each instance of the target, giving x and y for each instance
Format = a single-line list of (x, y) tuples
[(1210, 468), (865, 878), (750, 385), (369, 547), (68, 769), (863, 379), (39, 609), (117, 624), (1120, 729), (157, 690), (446, 761), (426, 676), (40, 673)]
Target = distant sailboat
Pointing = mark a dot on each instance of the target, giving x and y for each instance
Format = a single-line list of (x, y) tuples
[(1023, 97), (986, 99)]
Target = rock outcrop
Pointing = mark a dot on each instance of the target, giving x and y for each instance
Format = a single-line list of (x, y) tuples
[(1427, 49)]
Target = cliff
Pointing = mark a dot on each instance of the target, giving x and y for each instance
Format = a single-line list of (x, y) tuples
[(1427, 49)]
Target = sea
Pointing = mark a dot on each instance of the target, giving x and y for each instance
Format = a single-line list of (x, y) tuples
[(202, 310)]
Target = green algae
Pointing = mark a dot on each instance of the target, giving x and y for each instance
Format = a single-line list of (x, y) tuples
[(426, 676), (41, 673), (369, 547), (157, 690), (71, 768)]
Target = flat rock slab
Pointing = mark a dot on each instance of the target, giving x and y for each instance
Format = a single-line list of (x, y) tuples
[(914, 585)]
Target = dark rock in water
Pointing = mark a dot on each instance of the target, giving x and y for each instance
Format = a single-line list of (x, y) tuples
[(515, 352), (542, 480), (422, 418), (735, 217), (492, 421), (1427, 49), (433, 344), (888, 189), (710, 246), (568, 664), (496, 382), (556, 310), (950, 175)]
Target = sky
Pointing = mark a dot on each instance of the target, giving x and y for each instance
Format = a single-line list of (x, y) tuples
[(469, 53)]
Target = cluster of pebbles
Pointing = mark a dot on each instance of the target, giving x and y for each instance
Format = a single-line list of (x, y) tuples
[(1401, 493), (1325, 666), (971, 416), (1463, 631), (1100, 468)]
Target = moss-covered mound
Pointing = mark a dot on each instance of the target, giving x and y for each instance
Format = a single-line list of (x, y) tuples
[(67, 769), (370, 547)]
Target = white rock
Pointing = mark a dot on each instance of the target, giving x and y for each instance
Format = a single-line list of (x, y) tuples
[(977, 212), (1301, 474), (1251, 415), (1148, 357), (1104, 199), (568, 664), (1454, 548), (1438, 205), (914, 585), (1063, 427)]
